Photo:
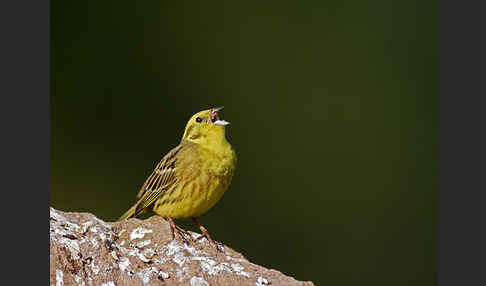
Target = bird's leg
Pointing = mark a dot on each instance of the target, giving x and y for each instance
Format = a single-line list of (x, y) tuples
[(205, 234), (175, 228)]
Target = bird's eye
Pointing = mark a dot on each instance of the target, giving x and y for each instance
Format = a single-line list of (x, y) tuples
[(198, 119)]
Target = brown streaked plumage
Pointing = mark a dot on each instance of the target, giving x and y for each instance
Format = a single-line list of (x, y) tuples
[(192, 177)]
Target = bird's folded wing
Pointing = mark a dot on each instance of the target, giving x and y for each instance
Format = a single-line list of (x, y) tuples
[(161, 179)]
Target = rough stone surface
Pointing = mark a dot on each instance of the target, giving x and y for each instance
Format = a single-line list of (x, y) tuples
[(86, 251)]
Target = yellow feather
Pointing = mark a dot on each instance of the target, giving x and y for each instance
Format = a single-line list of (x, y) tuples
[(193, 176)]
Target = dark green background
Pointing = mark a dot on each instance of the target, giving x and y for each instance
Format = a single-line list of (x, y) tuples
[(333, 106)]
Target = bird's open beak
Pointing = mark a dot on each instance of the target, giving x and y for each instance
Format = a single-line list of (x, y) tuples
[(215, 118)]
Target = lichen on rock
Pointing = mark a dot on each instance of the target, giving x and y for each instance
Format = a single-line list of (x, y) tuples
[(85, 250)]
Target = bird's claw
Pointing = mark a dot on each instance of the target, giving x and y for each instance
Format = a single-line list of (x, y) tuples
[(217, 245)]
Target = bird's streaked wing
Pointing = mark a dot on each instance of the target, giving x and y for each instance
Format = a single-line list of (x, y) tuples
[(161, 179)]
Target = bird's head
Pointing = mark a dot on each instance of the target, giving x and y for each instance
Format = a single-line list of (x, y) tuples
[(205, 127)]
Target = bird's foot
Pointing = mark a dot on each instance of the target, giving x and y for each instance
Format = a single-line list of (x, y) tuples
[(217, 245), (205, 234), (184, 234)]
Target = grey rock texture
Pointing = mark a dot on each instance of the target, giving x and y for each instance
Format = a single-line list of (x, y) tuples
[(85, 250)]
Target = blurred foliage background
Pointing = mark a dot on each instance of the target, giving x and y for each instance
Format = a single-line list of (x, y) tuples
[(333, 106)]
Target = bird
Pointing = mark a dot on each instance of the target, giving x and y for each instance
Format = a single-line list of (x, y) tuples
[(192, 177)]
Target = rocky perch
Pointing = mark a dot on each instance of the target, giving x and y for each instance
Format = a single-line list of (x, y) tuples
[(85, 250)]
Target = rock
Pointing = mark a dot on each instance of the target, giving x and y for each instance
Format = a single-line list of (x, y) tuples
[(85, 250)]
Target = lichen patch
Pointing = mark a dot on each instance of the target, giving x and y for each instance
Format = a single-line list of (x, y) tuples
[(139, 232), (59, 278), (198, 281), (261, 281), (123, 263), (238, 269)]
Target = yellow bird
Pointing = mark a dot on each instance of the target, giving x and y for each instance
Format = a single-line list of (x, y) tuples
[(192, 177)]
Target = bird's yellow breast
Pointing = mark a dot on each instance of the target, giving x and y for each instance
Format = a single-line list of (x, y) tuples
[(203, 179)]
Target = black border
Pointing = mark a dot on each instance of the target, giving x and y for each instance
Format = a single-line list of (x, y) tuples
[(25, 142), (461, 200)]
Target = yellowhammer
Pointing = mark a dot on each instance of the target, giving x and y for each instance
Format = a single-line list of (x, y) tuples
[(192, 177)]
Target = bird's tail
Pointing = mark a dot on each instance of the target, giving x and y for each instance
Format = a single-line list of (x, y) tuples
[(129, 213)]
